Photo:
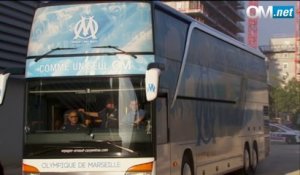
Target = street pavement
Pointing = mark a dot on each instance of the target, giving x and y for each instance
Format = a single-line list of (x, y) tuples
[(284, 159)]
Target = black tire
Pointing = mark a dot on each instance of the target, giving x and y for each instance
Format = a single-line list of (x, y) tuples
[(246, 159), (290, 140), (187, 167), (1, 169), (254, 160)]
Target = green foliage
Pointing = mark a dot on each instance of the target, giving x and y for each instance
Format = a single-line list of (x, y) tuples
[(286, 99)]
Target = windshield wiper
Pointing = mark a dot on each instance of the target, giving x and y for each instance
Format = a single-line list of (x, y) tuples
[(116, 48), (37, 58), (104, 141), (121, 147)]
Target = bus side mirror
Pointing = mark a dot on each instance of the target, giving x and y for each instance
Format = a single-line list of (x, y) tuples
[(3, 80), (152, 80)]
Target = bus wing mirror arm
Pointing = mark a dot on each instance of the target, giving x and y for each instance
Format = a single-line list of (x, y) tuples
[(3, 79), (152, 80)]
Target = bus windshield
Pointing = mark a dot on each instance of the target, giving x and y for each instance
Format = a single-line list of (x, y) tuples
[(88, 117)]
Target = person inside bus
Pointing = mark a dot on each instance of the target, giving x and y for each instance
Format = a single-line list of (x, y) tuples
[(72, 121), (88, 122), (135, 123), (136, 116), (108, 116), (58, 124)]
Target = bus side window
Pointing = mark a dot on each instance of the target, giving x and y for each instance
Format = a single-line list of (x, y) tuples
[(161, 121)]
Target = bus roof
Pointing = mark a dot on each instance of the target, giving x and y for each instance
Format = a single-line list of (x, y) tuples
[(205, 28)]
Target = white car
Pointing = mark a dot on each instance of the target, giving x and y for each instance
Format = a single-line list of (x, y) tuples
[(281, 133)]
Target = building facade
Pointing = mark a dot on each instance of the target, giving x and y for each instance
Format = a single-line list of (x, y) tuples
[(15, 23), (282, 66), (225, 16)]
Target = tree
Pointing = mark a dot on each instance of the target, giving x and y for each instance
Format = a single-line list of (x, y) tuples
[(286, 100)]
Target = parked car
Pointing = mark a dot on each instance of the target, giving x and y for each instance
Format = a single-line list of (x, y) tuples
[(281, 133)]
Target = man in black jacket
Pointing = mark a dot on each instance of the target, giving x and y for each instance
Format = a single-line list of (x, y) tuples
[(108, 115)]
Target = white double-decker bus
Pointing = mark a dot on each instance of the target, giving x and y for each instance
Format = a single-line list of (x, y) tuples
[(204, 95)]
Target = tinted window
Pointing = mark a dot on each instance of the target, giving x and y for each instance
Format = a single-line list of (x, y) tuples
[(170, 35)]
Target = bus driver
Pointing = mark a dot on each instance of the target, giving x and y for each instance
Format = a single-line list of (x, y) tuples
[(72, 123)]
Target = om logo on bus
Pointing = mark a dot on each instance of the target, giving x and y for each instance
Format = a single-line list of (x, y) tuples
[(86, 28), (151, 87)]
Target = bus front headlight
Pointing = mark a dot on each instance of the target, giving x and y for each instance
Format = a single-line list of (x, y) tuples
[(30, 170), (141, 169)]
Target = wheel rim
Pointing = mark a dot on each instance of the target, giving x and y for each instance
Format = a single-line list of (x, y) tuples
[(246, 160), (186, 169)]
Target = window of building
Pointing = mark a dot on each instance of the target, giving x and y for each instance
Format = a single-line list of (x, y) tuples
[(196, 5)]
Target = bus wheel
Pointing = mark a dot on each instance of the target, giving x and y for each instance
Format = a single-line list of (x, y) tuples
[(1, 169), (187, 166), (246, 169), (290, 140), (254, 162)]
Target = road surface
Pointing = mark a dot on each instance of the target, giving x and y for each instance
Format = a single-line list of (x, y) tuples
[(283, 160)]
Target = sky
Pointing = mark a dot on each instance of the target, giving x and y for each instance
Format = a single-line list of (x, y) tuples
[(270, 27)]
